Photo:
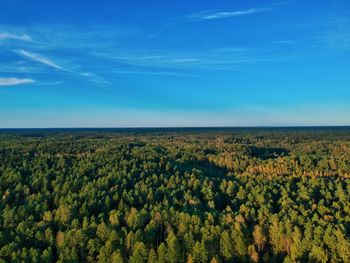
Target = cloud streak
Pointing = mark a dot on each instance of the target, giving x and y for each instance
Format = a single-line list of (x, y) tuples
[(210, 15), (39, 58), (9, 36), (14, 81), (157, 73), (207, 60), (48, 62)]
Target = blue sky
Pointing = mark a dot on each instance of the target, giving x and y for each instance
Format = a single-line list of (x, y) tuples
[(174, 63)]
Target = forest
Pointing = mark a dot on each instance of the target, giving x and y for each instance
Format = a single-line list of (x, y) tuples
[(175, 195)]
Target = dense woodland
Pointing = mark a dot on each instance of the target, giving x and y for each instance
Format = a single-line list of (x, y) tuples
[(167, 196)]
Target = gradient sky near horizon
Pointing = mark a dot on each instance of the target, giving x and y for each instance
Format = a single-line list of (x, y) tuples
[(174, 63)]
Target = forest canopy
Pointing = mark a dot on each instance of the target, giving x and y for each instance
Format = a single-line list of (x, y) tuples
[(175, 195)]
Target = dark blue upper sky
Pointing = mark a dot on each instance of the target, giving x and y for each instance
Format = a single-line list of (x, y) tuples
[(174, 63)]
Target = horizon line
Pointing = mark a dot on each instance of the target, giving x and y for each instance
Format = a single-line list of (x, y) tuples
[(181, 127)]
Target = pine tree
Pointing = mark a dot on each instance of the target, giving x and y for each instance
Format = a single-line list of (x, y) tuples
[(117, 257), (200, 253), (139, 254), (162, 253), (152, 256), (174, 250)]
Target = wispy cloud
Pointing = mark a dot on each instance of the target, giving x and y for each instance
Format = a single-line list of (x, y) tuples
[(14, 81), (97, 55), (211, 15), (208, 60), (87, 74), (156, 73), (53, 83), (109, 52), (338, 35), (39, 58), (9, 36), (95, 78), (331, 33), (48, 62), (284, 42), (184, 60)]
